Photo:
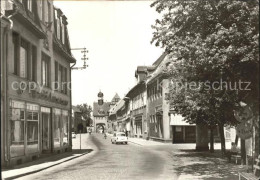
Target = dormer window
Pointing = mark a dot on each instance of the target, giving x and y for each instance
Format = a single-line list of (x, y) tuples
[(29, 5), (40, 9), (62, 31), (49, 11), (58, 26)]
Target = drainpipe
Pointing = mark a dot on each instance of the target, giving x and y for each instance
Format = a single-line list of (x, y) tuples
[(5, 83), (70, 138), (5, 70)]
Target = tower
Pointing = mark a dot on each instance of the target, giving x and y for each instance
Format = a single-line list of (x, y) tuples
[(100, 98)]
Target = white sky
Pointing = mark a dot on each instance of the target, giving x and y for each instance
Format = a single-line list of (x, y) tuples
[(117, 35)]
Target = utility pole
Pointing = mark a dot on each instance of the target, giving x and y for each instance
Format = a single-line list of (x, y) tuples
[(84, 51)]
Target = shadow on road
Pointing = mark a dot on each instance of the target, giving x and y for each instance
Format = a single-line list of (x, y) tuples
[(204, 165)]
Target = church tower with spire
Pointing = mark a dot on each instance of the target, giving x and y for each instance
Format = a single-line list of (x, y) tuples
[(100, 98)]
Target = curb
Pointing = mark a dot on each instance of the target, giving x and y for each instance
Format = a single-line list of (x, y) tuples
[(41, 169)]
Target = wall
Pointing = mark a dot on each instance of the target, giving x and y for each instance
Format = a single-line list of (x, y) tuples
[(166, 108)]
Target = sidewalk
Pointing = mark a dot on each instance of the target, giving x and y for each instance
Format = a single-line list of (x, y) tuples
[(143, 142), (49, 160)]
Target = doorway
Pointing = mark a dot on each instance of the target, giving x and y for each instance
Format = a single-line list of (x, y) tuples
[(178, 134), (46, 130)]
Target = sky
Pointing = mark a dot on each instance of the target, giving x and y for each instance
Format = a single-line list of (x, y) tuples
[(117, 35)]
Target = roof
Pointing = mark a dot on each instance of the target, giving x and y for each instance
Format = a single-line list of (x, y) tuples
[(100, 110), (161, 66), (160, 59), (138, 85), (115, 97), (116, 107)]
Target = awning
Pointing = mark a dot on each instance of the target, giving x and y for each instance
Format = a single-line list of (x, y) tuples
[(178, 120), (138, 118)]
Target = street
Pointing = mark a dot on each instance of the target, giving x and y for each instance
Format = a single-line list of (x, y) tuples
[(132, 161)]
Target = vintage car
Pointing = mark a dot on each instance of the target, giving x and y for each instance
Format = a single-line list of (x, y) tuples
[(119, 137)]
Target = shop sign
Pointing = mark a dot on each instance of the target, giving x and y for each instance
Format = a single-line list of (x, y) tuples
[(243, 114), (45, 95), (244, 130)]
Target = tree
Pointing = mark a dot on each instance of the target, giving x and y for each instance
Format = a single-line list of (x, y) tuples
[(86, 113), (210, 41)]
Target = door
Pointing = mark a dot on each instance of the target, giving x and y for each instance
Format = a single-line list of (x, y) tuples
[(190, 134), (46, 132), (178, 134)]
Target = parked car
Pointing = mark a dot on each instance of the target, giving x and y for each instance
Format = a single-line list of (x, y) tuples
[(73, 135), (119, 137)]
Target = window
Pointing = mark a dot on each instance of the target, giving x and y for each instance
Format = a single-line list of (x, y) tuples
[(46, 11), (60, 77), (43, 10), (23, 59), (45, 70), (17, 123), (40, 9), (33, 64), (15, 41), (56, 75), (58, 27), (62, 32), (29, 5), (65, 81), (32, 128), (49, 11)]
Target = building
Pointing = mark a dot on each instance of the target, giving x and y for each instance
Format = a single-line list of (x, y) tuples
[(100, 113), (79, 124), (37, 115), (157, 106), (137, 109), (116, 117), (5, 27)]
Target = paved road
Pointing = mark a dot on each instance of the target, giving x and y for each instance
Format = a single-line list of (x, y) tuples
[(110, 161)]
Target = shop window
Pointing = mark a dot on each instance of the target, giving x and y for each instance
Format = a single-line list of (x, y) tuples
[(45, 70), (57, 128), (17, 123), (32, 128), (65, 132)]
